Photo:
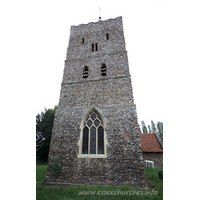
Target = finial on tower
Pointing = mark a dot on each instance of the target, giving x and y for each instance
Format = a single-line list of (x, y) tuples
[(99, 14)]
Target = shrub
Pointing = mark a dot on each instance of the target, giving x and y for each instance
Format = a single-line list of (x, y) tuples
[(56, 168)]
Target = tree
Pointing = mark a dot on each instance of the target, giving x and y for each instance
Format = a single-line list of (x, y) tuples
[(44, 125), (153, 127), (149, 129), (144, 128), (160, 129)]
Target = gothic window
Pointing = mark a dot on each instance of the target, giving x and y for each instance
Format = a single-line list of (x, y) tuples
[(93, 135), (85, 72), (103, 69)]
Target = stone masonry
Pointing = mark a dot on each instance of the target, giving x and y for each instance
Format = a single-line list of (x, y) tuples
[(156, 157), (88, 88)]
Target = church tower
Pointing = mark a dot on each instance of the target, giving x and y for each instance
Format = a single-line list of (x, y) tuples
[(96, 135)]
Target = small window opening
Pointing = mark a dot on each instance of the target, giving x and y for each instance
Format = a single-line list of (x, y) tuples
[(92, 47), (96, 46), (85, 72), (107, 36), (83, 40), (103, 69)]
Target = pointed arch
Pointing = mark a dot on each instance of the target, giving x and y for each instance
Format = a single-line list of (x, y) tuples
[(92, 142)]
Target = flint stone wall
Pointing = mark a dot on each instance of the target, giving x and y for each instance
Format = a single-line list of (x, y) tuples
[(111, 96), (157, 157)]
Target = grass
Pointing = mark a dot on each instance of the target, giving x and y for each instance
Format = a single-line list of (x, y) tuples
[(106, 192)]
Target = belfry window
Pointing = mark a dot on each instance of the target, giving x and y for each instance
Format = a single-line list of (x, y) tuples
[(85, 72), (92, 47), (103, 69), (93, 135), (107, 36), (96, 46)]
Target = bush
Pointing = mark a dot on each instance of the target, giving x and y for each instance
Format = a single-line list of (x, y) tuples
[(56, 168)]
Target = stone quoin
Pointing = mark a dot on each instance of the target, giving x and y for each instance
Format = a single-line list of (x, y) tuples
[(96, 135)]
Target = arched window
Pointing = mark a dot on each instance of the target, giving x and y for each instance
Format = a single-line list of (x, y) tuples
[(85, 72), (103, 69), (93, 135)]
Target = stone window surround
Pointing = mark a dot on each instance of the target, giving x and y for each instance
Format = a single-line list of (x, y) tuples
[(103, 70), (85, 72), (80, 155)]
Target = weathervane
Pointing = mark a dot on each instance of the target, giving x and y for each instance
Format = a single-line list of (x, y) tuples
[(99, 14)]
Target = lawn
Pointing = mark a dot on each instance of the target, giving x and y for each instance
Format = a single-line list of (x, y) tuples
[(155, 191)]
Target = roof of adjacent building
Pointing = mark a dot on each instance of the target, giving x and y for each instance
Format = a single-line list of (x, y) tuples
[(150, 143)]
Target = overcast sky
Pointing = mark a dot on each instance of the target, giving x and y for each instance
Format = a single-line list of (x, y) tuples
[(160, 40), (143, 29), (163, 44)]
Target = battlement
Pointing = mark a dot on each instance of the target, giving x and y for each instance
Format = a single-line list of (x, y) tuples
[(95, 25)]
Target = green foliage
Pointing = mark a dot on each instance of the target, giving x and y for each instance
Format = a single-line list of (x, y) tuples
[(44, 125), (160, 129), (73, 192), (153, 127), (41, 170), (153, 178), (144, 128), (56, 168), (149, 129)]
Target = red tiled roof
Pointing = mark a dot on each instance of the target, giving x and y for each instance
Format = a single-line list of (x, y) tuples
[(150, 143)]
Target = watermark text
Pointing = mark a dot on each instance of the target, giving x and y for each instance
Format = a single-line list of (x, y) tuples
[(119, 192)]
